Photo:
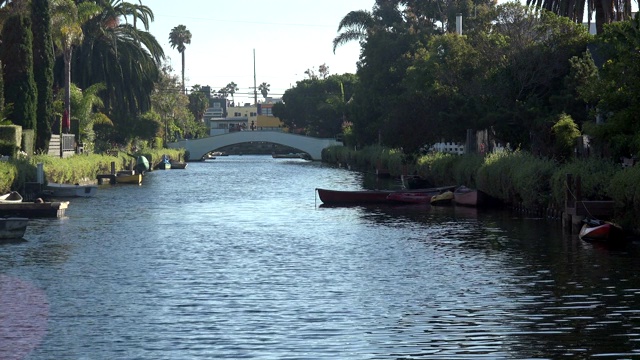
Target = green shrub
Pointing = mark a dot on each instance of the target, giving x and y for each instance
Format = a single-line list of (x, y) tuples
[(595, 176), (624, 189)]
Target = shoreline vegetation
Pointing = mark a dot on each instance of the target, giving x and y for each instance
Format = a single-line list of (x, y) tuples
[(516, 178), (77, 169)]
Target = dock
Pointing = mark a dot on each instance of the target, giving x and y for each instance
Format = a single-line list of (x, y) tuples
[(576, 209), (54, 209)]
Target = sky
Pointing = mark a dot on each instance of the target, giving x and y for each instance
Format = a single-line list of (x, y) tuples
[(288, 37)]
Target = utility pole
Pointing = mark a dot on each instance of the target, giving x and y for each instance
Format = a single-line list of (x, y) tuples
[(255, 88)]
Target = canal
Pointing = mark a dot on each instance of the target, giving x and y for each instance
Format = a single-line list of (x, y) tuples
[(235, 258)]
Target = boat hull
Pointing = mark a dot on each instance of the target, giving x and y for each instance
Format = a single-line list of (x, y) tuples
[(444, 198), (68, 190), (13, 228), (468, 197), (411, 197), (346, 197), (135, 179), (602, 231), (35, 210), (11, 198)]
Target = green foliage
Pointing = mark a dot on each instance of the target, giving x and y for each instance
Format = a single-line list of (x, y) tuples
[(43, 61), (317, 107), (17, 59), (566, 135), (595, 175), (624, 189)]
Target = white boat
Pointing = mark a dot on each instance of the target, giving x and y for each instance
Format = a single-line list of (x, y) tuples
[(10, 198), (13, 227), (69, 190)]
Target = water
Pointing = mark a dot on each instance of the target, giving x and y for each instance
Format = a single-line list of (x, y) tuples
[(235, 258)]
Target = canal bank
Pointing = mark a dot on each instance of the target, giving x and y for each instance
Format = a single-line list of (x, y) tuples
[(517, 178)]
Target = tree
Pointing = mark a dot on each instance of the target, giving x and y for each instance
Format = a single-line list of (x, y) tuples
[(43, 61), (198, 102), (125, 57), (17, 59), (179, 38), (85, 109), (264, 89), (232, 88), (66, 24), (606, 12), (323, 70)]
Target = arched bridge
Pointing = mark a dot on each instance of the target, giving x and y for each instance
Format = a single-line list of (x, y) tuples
[(197, 148)]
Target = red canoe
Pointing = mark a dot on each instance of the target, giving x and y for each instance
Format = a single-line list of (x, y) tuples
[(604, 231), (355, 197), (411, 197)]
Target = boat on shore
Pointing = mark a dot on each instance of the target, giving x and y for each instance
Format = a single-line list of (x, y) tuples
[(56, 190), (13, 227), (356, 197)]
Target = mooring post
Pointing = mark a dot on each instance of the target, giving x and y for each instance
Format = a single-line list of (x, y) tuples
[(569, 204)]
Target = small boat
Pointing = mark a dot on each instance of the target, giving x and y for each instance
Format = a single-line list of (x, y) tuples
[(37, 209), (164, 164), (356, 197), (68, 190), (128, 177), (290, 156), (468, 197), (178, 165), (601, 231), (410, 197), (12, 197), (142, 164), (444, 198), (13, 227)]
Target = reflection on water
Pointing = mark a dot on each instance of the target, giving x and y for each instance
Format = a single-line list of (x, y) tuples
[(235, 258)]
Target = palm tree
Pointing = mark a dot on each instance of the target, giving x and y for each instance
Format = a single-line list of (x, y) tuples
[(85, 104), (178, 38), (264, 89), (125, 57), (232, 88), (356, 25), (605, 11), (67, 19)]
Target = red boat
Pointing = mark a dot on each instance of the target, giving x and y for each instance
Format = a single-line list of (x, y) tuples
[(411, 197), (355, 197), (602, 231)]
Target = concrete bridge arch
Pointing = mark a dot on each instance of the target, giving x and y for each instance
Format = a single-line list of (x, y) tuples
[(197, 148)]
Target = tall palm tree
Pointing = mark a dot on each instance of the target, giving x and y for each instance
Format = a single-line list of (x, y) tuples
[(178, 38), (67, 19), (606, 11), (355, 26), (264, 89), (232, 88)]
